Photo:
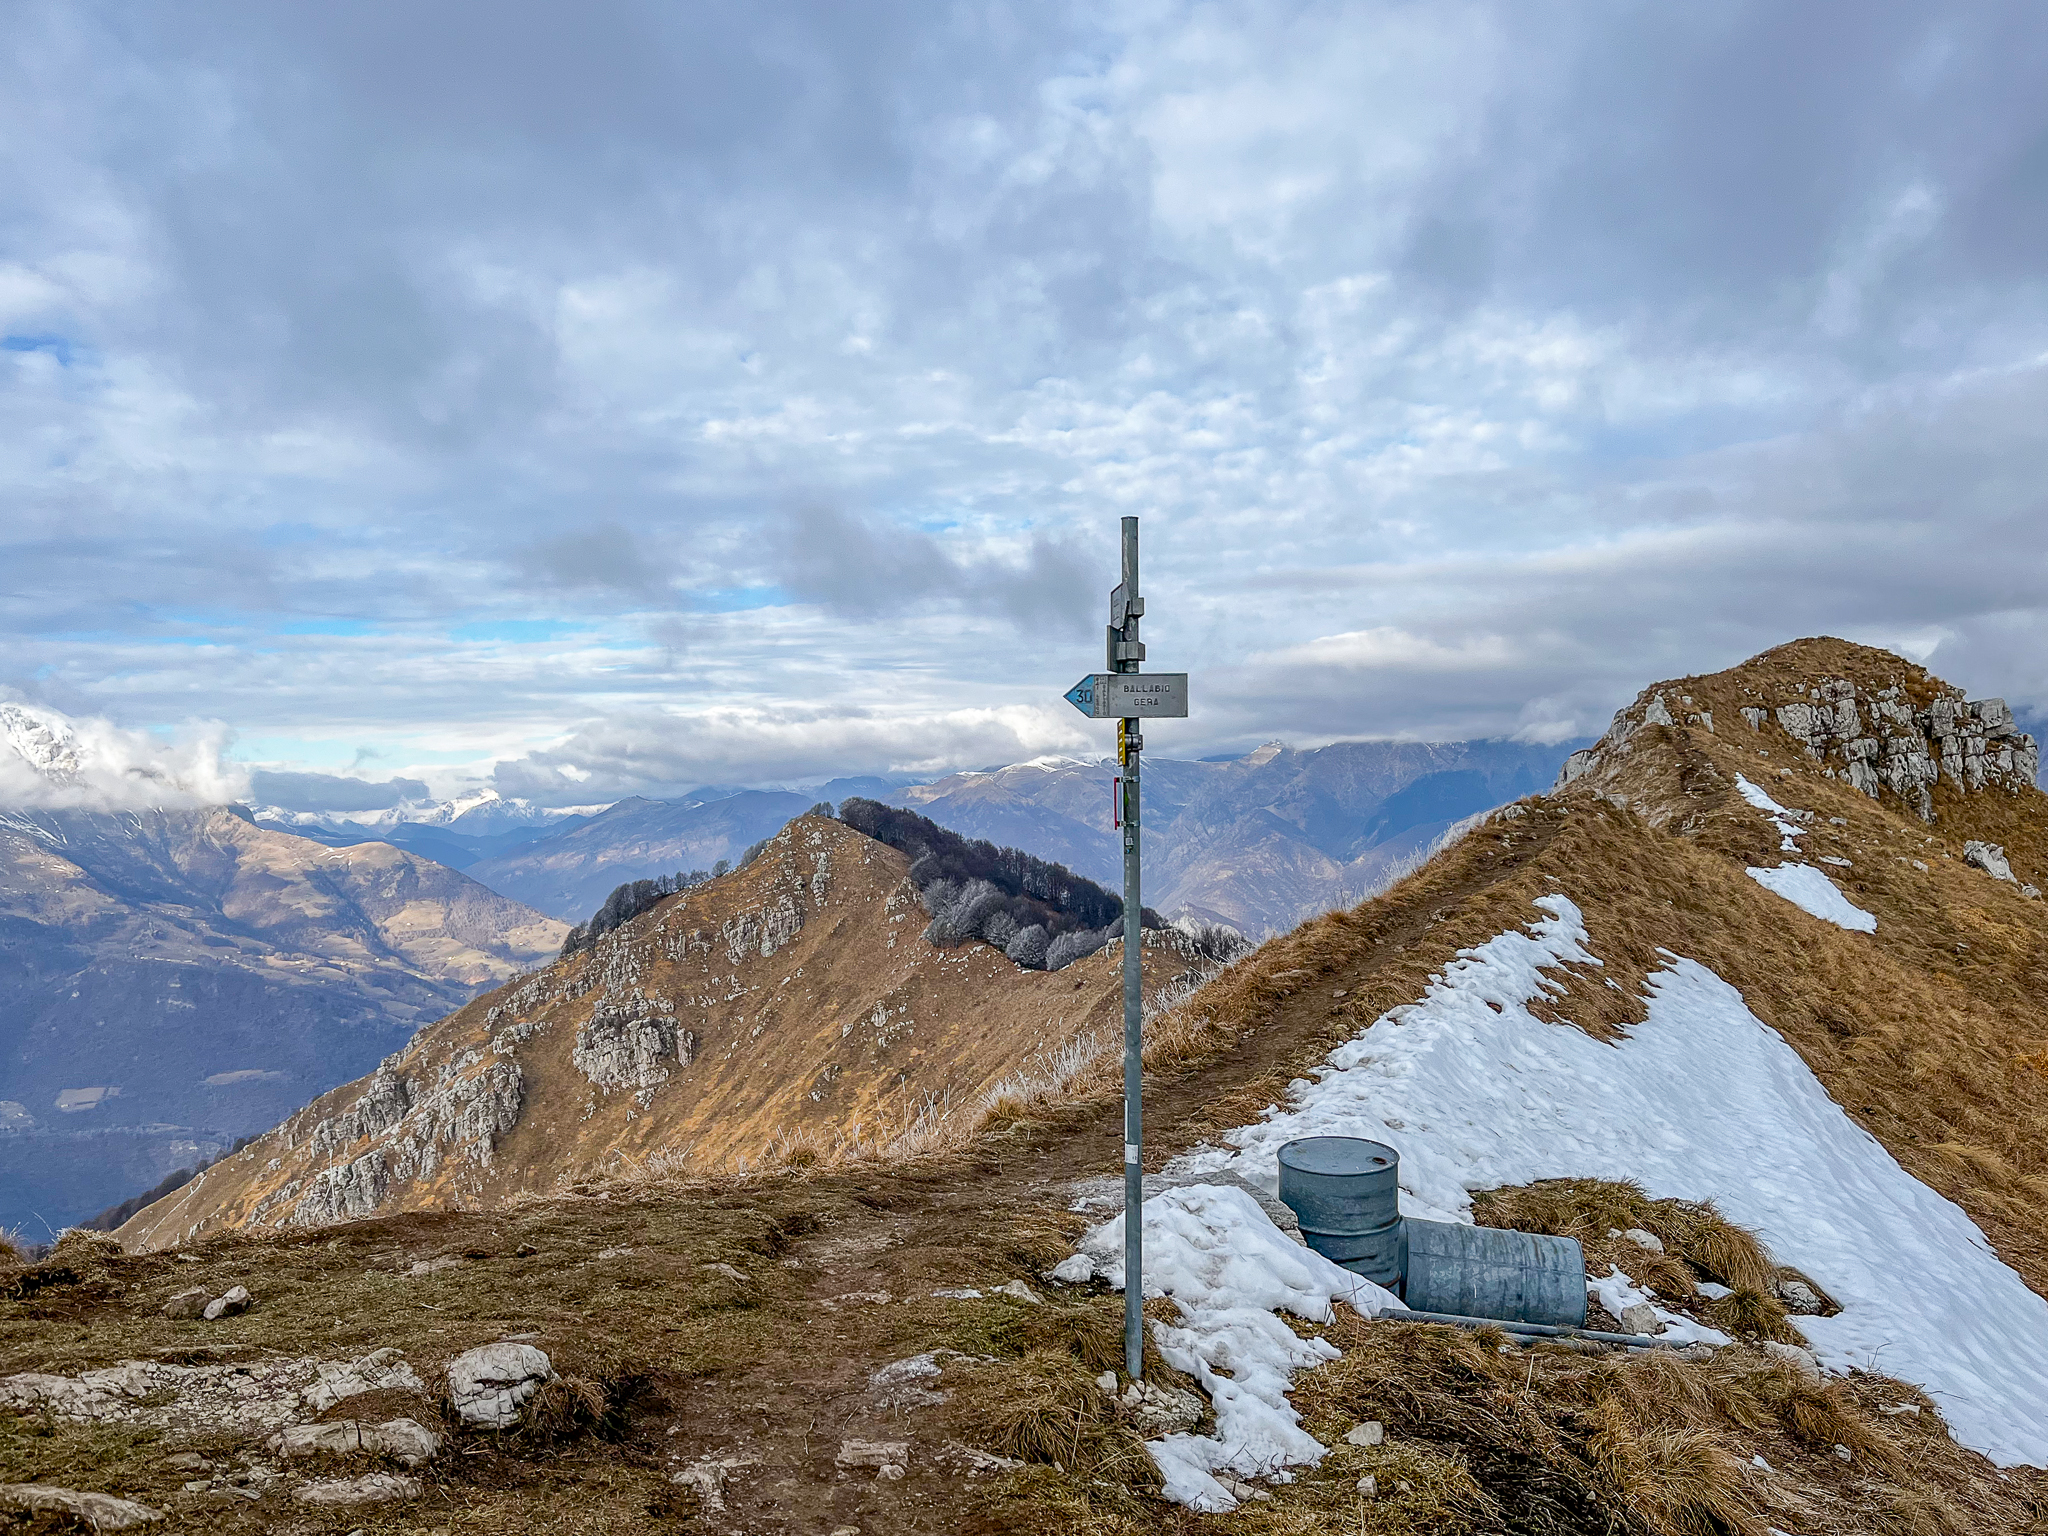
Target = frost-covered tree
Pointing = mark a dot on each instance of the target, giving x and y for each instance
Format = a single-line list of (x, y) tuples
[(1028, 947), (1074, 945)]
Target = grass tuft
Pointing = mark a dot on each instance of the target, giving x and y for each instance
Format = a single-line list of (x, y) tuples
[(564, 1409), (1045, 1408)]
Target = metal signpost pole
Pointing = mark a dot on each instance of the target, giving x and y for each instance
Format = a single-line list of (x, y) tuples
[(1125, 654), (1127, 695)]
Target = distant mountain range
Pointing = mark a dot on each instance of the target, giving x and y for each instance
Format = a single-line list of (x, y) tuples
[(1259, 842), (565, 863), (172, 979)]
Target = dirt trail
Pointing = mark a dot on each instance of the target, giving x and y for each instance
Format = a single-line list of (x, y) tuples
[(950, 1226)]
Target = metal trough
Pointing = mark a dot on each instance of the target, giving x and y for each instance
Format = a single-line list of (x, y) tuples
[(1346, 1192)]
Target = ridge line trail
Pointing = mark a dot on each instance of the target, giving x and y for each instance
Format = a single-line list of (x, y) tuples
[(968, 1220)]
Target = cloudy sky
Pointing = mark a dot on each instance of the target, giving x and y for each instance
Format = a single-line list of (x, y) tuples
[(601, 398)]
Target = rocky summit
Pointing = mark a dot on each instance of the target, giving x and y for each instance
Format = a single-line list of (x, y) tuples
[(1900, 730)]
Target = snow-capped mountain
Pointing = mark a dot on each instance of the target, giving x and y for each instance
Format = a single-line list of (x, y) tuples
[(49, 760), (477, 813)]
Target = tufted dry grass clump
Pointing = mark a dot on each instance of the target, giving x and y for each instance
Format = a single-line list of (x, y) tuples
[(1650, 1444), (1694, 1232), (564, 1409), (1046, 1408), (1417, 1490)]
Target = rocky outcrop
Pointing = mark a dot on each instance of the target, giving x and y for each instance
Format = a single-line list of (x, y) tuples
[(406, 1441), (1990, 858), (99, 1511), (1877, 740), (415, 1125), (1874, 736), (254, 1396), (630, 1048)]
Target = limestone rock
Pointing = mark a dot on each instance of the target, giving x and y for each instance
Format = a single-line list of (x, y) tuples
[(872, 1453), (1874, 739), (235, 1299), (190, 1304), (489, 1385), (1801, 1298), (1643, 1239), (1990, 858), (707, 1476), (1157, 1411), (371, 1488), (102, 1511), (1074, 1269), (404, 1440), (1017, 1290), (630, 1048), (1372, 1432), (1639, 1318), (378, 1371)]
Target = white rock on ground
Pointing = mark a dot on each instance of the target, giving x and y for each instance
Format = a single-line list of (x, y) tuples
[(380, 1370), (404, 1440), (1801, 1360), (256, 1397), (235, 1299), (1371, 1432), (188, 1305), (1158, 1410), (1643, 1239), (872, 1453), (490, 1384), (102, 1511), (707, 1476), (1990, 858), (1074, 1269), (371, 1488)]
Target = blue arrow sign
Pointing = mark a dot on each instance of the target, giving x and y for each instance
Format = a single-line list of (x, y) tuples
[(1082, 696)]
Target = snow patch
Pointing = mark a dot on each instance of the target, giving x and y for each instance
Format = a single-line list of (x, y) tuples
[(1780, 818), (1810, 890), (1701, 1101), (1231, 1271)]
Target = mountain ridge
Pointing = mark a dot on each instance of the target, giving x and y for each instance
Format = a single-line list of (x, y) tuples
[(175, 978)]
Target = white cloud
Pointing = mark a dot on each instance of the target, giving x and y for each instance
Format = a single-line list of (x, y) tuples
[(792, 375), (49, 761)]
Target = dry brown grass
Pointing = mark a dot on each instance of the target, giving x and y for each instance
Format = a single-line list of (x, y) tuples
[(1046, 1408), (565, 1408), (1653, 1445), (1694, 1232)]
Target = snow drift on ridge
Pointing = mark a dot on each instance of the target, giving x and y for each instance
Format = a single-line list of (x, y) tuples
[(1701, 1101)]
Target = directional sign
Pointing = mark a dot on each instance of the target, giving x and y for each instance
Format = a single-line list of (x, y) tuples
[(1132, 696)]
